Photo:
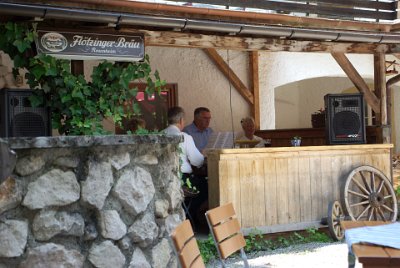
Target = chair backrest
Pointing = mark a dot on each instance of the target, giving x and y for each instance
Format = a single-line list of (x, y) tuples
[(186, 247), (225, 230)]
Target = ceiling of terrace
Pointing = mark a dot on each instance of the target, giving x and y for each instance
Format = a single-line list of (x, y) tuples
[(357, 10)]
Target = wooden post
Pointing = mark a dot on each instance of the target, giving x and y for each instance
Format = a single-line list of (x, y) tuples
[(380, 91), (255, 86)]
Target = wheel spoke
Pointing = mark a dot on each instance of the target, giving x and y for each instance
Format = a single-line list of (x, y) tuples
[(381, 214), (365, 181), (380, 186), (337, 230), (361, 187), (363, 212), (372, 181), (387, 197), (358, 194), (370, 213), (359, 204), (387, 208), (337, 210)]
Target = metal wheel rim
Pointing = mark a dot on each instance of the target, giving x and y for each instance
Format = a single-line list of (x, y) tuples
[(335, 214), (376, 199)]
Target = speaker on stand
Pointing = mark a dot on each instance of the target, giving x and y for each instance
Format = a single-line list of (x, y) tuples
[(18, 118), (345, 122)]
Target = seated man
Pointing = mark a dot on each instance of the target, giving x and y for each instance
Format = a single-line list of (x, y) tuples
[(189, 155), (199, 129), (248, 126)]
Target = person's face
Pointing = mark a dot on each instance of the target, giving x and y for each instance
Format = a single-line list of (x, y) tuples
[(249, 128), (202, 121)]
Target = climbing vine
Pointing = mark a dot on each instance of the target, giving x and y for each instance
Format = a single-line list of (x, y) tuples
[(77, 106)]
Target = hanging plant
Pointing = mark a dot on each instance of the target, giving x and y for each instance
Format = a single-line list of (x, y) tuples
[(77, 107)]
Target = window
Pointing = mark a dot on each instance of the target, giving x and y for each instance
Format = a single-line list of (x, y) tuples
[(153, 108)]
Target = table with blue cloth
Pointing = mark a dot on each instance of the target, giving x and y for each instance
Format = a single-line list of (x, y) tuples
[(373, 243)]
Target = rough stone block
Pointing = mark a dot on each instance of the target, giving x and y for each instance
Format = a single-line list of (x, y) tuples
[(54, 188), (13, 238)]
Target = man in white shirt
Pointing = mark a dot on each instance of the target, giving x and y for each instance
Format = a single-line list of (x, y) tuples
[(189, 155)]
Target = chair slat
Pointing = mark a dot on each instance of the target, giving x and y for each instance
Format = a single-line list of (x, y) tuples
[(181, 234), (189, 253), (198, 263), (221, 213), (231, 245), (226, 229), (186, 247)]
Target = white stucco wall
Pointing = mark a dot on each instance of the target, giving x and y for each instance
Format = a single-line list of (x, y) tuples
[(396, 118), (286, 67), (200, 83), (296, 101)]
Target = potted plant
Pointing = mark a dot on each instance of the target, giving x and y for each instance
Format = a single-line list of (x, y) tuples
[(318, 119), (296, 141)]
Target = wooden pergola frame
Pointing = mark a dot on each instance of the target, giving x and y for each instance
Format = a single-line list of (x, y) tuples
[(209, 41), (377, 101)]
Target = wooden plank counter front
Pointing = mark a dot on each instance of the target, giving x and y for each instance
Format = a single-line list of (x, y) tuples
[(287, 188)]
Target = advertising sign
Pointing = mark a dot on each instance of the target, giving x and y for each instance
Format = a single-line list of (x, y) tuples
[(81, 46)]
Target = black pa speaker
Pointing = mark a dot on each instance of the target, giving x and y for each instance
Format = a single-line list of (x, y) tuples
[(18, 118), (344, 119)]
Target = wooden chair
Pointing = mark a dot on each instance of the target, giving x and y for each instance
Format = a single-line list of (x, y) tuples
[(185, 246), (225, 230)]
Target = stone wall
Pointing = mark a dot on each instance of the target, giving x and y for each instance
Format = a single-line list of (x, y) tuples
[(107, 201)]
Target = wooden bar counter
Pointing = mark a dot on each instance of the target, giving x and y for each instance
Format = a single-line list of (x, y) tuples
[(287, 188)]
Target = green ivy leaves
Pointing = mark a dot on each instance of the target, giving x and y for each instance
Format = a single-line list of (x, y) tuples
[(78, 107)]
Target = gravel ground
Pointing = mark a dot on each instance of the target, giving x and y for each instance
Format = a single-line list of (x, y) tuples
[(327, 255)]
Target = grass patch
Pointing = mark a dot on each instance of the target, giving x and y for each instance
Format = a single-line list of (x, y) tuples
[(256, 242)]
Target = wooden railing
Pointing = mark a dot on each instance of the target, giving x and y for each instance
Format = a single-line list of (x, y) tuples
[(342, 9), (309, 136)]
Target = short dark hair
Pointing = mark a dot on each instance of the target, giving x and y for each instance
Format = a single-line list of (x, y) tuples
[(175, 114), (199, 110)]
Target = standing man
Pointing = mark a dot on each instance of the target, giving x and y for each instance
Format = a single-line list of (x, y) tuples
[(199, 129)]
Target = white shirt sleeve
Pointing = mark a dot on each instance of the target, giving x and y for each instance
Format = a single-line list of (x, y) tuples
[(193, 154)]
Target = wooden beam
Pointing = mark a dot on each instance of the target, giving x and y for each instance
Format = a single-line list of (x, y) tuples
[(192, 40), (271, 4), (230, 74), (359, 9), (376, 120), (247, 17), (357, 80), (380, 85), (253, 62)]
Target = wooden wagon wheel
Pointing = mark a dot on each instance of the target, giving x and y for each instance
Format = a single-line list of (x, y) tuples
[(335, 215), (369, 195)]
